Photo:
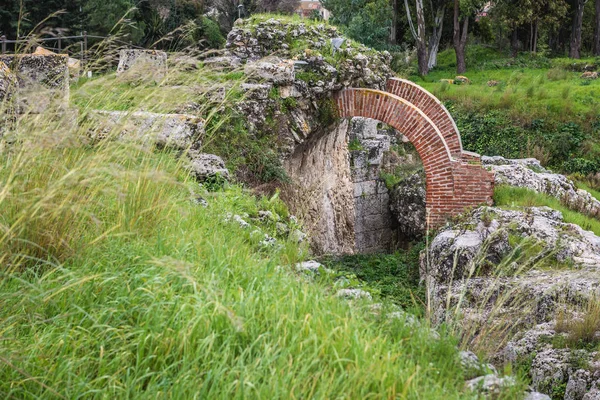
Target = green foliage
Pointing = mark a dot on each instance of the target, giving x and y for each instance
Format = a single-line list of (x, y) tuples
[(394, 276), (557, 74), (371, 25), (212, 33), (327, 112), (114, 283), (289, 103), (490, 133), (580, 166), (308, 76), (355, 145), (581, 331)]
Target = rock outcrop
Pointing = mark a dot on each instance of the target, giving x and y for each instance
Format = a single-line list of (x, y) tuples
[(313, 47), (498, 273), (529, 173), (575, 371)]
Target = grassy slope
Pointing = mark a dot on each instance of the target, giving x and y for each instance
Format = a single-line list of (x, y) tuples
[(164, 298), (527, 93), (115, 284), (529, 87)]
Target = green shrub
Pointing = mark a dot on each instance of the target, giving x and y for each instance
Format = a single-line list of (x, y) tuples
[(581, 166), (211, 33)]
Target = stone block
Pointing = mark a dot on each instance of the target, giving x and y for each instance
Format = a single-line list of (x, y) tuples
[(366, 188), (206, 166), (142, 64), (373, 241), (43, 80), (178, 131), (271, 69)]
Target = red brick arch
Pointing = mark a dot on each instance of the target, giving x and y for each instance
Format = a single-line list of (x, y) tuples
[(455, 179)]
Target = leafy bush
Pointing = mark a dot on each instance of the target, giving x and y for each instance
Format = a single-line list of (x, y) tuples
[(564, 142), (490, 133), (580, 166), (211, 33), (395, 276)]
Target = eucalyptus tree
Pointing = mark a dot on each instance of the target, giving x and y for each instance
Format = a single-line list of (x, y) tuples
[(427, 40)]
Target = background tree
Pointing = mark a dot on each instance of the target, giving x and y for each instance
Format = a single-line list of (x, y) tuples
[(427, 40), (575, 44), (367, 21), (459, 36), (596, 46)]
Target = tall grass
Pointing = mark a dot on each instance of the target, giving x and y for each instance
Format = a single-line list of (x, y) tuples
[(115, 284)]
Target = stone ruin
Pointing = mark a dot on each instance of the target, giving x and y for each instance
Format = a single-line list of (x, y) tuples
[(42, 80), (146, 64)]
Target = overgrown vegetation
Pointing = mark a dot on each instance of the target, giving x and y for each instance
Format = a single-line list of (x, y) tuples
[(395, 277)]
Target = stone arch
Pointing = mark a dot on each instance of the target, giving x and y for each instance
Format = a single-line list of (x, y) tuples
[(454, 182)]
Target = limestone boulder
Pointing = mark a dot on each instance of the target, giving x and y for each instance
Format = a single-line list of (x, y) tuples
[(529, 173), (142, 64), (271, 69), (177, 131), (589, 75), (207, 166)]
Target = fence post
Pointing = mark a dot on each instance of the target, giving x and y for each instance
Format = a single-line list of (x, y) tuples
[(3, 40), (59, 44), (85, 47)]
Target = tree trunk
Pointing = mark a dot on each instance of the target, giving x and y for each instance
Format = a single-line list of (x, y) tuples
[(514, 42), (434, 41), (460, 39), (394, 32), (575, 47), (535, 35), (597, 30), (421, 39)]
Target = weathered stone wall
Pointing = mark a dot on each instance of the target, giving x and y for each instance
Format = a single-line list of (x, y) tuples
[(373, 223), (323, 191)]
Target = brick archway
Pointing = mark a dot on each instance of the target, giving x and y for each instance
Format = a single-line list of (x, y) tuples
[(455, 178)]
